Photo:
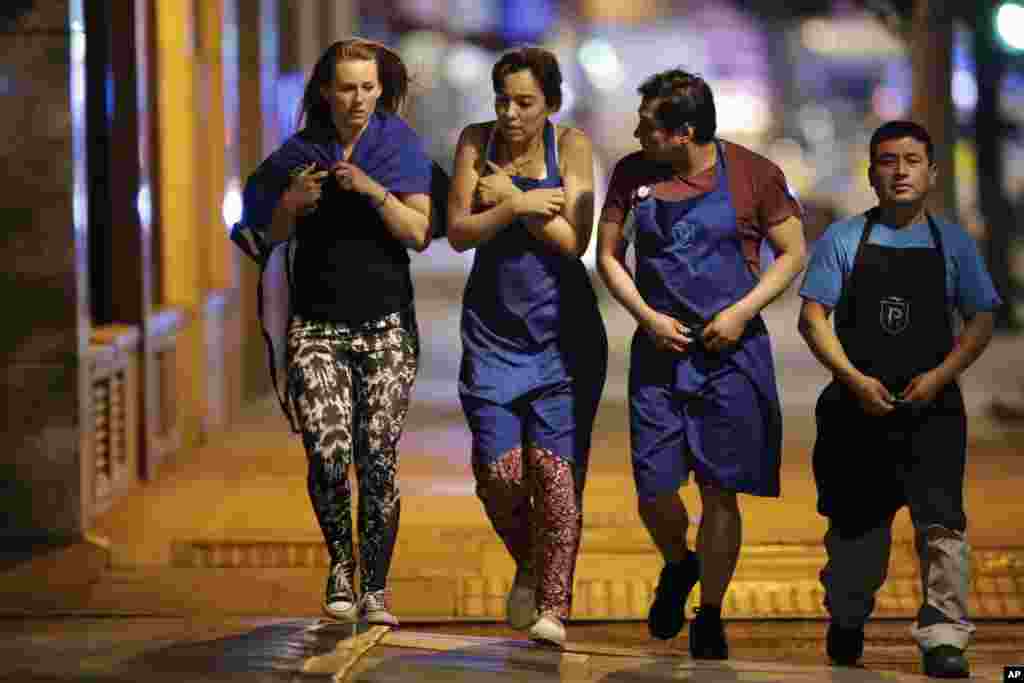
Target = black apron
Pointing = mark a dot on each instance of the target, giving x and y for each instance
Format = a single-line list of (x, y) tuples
[(893, 323)]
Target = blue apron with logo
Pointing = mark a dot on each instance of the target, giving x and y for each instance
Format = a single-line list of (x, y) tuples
[(690, 265)]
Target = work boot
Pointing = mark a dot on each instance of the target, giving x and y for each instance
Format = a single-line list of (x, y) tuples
[(707, 635), (667, 615), (946, 661), (844, 646)]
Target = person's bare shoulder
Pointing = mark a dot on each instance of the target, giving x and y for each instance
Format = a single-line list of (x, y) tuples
[(573, 144), (569, 135), (473, 143), (476, 134)]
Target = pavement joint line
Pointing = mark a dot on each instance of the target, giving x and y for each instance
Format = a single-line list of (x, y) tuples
[(350, 650)]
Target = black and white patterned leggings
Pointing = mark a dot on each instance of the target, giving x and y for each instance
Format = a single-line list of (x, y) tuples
[(351, 387)]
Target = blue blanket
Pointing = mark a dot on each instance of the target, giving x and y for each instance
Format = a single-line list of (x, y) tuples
[(389, 151)]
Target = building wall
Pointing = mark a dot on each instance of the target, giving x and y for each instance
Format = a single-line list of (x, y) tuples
[(42, 261), (115, 363)]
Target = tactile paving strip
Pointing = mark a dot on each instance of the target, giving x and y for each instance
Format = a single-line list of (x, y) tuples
[(615, 579)]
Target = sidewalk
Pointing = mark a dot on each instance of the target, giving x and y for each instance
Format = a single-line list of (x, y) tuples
[(229, 526), (227, 531), (205, 650)]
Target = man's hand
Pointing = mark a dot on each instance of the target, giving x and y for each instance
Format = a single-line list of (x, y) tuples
[(874, 398), (667, 333), (925, 387), (725, 329), (495, 188)]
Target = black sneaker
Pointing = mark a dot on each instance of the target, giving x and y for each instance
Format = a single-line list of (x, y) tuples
[(666, 618), (946, 661), (845, 646), (707, 635)]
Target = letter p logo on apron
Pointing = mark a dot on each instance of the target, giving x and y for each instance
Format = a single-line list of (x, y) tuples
[(894, 314)]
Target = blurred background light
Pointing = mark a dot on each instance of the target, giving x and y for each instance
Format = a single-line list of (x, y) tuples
[(1010, 25), (740, 110), (569, 99), (789, 155), (231, 207), (428, 12), (528, 20), (816, 123), (601, 63), (473, 16), (965, 89), (857, 37), (290, 88), (468, 66), (890, 103), (144, 205), (423, 52)]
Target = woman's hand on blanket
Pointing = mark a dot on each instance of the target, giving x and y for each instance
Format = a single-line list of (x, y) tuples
[(351, 177), (495, 188), (304, 191)]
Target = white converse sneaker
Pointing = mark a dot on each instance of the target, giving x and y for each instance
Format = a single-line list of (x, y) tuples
[(339, 599), (375, 610), (521, 603), (548, 630)]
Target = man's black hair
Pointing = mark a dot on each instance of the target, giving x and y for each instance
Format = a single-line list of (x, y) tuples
[(686, 101), (895, 130)]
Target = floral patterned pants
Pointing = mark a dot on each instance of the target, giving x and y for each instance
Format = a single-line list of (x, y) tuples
[(530, 462), (535, 504), (350, 387)]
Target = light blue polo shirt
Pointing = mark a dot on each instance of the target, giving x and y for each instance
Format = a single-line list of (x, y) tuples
[(969, 288)]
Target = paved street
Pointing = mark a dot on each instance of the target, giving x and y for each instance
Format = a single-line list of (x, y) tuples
[(214, 571)]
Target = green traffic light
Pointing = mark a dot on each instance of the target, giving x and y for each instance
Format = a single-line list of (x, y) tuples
[(1009, 20)]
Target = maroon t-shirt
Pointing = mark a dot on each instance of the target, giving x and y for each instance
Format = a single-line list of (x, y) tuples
[(758, 187)]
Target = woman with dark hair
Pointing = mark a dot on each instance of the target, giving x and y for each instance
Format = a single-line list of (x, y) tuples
[(337, 206), (534, 345)]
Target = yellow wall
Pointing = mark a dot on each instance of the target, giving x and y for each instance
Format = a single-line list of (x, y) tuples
[(174, 90), (218, 257), (180, 269)]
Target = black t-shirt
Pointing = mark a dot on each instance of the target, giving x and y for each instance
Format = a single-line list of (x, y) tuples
[(348, 267)]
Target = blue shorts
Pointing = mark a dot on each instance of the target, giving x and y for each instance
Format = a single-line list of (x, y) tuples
[(721, 433), (554, 418)]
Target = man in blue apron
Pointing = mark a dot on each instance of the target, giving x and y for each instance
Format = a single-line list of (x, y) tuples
[(702, 384), (891, 424)]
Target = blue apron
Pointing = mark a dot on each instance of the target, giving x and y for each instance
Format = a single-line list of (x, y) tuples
[(690, 265), (530, 316)]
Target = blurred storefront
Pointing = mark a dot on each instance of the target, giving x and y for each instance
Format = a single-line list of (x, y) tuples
[(132, 335)]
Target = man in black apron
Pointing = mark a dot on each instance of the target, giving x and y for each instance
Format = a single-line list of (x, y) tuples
[(891, 424)]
